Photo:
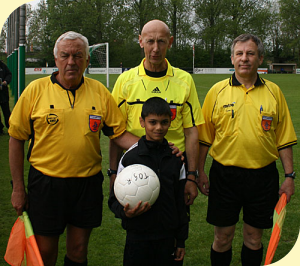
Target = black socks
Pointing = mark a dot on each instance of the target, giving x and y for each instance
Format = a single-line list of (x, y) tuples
[(68, 262), (251, 257), (220, 258)]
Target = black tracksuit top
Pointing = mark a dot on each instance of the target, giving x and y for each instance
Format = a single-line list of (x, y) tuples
[(167, 216)]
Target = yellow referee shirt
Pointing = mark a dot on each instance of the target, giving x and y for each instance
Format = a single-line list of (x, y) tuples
[(177, 87), (64, 130), (246, 127)]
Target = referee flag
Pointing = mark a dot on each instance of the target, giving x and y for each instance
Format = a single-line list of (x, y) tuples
[(22, 248), (278, 219)]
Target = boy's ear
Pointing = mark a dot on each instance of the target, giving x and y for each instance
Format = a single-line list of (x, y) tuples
[(142, 122)]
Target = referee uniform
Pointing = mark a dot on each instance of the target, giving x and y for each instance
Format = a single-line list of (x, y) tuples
[(176, 86), (63, 128), (244, 129)]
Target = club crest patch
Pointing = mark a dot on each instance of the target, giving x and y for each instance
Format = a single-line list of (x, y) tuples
[(52, 119), (266, 122), (94, 121), (174, 111)]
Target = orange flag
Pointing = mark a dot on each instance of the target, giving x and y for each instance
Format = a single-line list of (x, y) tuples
[(278, 219), (22, 248)]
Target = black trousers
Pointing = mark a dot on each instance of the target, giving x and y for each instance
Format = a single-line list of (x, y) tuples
[(149, 253), (6, 113)]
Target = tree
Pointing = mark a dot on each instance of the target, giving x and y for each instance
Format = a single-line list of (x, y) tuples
[(209, 24), (290, 14), (2, 38), (37, 37), (210, 21)]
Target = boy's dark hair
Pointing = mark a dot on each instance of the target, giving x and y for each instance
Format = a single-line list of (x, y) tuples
[(156, 106)]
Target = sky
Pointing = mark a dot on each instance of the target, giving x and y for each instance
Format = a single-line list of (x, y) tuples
[(34, 3), (292, 259)]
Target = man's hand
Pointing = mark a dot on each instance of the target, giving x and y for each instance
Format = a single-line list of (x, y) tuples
[(19, 201), (137, 210), (175, 150), (190, 191), (287, 187), (203, 183)]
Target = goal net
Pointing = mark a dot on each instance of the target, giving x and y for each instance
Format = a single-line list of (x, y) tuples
[(99, 62)]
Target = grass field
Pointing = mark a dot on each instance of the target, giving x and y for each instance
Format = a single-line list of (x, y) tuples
[(107, 242)]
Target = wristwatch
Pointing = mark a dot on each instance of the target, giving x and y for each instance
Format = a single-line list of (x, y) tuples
[(194, 173), (111, 172), (292, 175)]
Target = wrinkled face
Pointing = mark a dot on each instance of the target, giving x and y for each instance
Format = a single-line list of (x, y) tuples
[(155, 40), (156, 127), (245, 59), (71, 62)]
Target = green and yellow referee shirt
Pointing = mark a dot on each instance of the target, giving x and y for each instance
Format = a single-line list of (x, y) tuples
[(177, 87), (63, 130), (246, 127)]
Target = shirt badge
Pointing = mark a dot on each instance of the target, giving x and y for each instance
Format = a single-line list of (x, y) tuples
[(52, 119), (174, 111), (95, 121), (266, 122)]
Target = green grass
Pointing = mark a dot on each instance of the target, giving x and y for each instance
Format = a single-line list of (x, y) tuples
[(107, 242)]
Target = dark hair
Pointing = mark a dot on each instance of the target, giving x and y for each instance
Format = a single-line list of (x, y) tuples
[(156, 106), (246, 37)]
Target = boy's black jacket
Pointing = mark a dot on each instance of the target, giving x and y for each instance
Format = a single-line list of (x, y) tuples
[(167, 217)]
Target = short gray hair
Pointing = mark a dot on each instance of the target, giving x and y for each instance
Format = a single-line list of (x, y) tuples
[(246, 37), (72, 35)]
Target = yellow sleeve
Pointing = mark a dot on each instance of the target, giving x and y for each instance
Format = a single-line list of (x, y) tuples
[(285, 132), (119, 96), (207, 130)]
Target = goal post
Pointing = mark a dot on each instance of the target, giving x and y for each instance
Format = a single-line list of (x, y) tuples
[(99, 61)]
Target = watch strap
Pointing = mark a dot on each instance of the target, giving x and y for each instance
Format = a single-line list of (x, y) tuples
[(292, 175), (194, 173), (111, 172)]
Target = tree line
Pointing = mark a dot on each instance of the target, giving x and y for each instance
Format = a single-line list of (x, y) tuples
[(207, 25)]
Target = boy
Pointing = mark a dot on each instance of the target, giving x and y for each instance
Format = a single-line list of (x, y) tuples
[(152, 230)]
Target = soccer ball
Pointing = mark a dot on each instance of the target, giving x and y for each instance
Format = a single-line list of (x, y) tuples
[(136, 183)]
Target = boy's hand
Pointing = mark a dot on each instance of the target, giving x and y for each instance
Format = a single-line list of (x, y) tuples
[(179, 254), (137, 210)]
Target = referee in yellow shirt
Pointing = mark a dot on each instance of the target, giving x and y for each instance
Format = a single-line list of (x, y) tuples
[(155, 77), (247, 128), (62, 116)]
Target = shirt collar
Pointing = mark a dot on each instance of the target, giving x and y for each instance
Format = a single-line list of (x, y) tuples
[(145, 145), (234, 82), (142, 72), (54, 80)]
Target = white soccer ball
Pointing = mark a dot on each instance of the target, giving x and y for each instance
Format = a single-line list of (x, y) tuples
[(136, 183)]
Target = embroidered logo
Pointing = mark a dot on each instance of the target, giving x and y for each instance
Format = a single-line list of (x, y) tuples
[(156, 90), (95, 121), (52, 119), (266, 122), (228, 105), (174, 111)]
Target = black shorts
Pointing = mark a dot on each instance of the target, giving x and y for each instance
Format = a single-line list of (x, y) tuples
[(233, 188), (56, 202)]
